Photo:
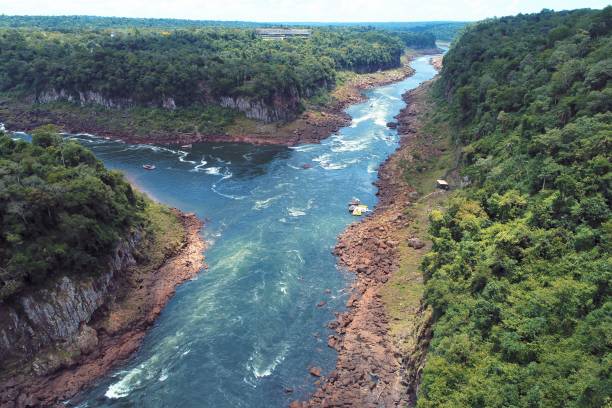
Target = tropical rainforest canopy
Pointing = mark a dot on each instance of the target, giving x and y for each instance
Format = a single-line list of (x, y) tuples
[(61, 211), (519, 275), (149, 66)]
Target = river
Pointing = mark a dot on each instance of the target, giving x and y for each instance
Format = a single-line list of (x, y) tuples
[(248, 328)]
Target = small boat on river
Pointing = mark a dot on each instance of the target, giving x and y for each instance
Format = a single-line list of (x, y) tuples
[(187, 146), (359, 210), (356, 208), (148, 166)]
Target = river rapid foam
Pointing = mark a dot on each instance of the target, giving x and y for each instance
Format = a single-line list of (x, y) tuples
[(251, 325)]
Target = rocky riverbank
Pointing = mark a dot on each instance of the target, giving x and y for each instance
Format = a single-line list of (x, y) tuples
[(315, 124), (437, 62), (319, 123), (376, 367), (116, 329)]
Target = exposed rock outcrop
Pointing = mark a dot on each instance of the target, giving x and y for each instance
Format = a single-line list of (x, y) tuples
[(278, 122), (374, 368), (281, 108), (415, 243), (437, 62), (56, 313), (87, 344), (85, 97)]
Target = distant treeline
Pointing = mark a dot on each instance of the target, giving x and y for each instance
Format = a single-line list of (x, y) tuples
[(442, 30), (94, 22), (153, 66), (519, 276)]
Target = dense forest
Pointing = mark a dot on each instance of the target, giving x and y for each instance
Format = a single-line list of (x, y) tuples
[(442, 30), (61, 211), (180, 68), (519, 274), (70, 23)]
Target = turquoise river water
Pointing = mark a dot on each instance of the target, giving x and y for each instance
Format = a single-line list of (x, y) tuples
[(249, 326)]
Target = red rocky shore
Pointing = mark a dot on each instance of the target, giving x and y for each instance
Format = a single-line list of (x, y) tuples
[(115, 336), (370, 370), (310, 127)]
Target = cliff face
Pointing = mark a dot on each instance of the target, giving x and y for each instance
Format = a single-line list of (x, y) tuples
[(87, 97), (88, 344), (57, 314), (395, 62), (282, 108), (91, 97)]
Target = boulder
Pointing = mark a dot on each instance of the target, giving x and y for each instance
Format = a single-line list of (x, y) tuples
[(392, 125), (415, 243), (87, 340), (332, 342), (315, 371)]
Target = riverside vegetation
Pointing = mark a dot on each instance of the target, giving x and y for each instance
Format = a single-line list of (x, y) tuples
[(86, 265), (519, 272), (61, 210), (518, 275), (187, 80)]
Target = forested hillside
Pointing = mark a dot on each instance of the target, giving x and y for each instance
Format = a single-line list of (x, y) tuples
[(61, 211), (180, 68), (519, 274)]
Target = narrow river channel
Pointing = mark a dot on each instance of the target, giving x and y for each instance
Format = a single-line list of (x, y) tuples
[(248, 328)]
